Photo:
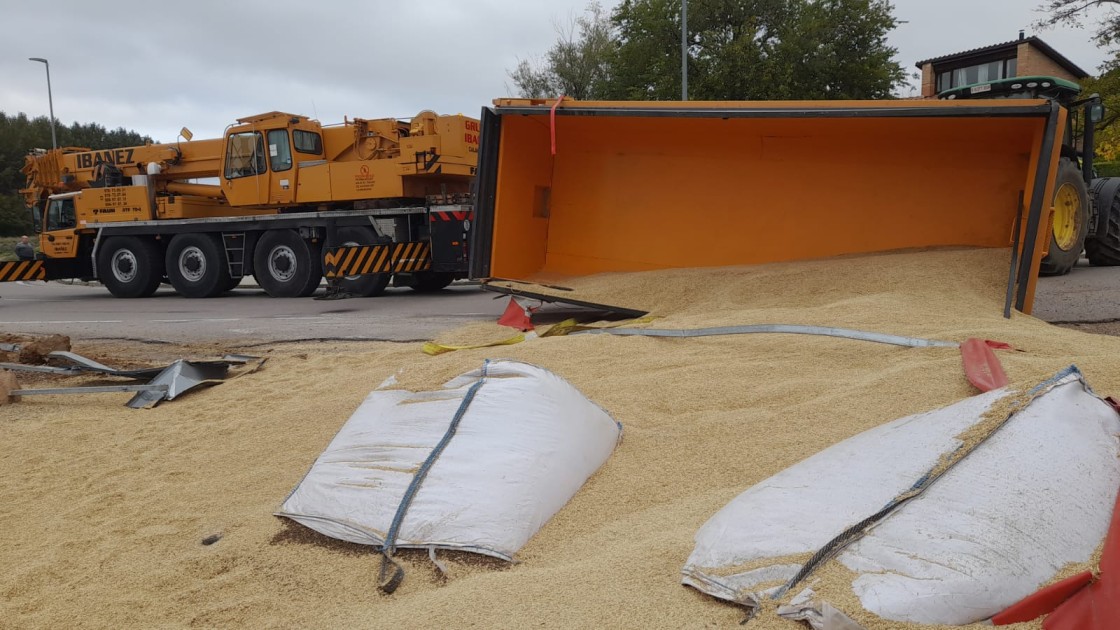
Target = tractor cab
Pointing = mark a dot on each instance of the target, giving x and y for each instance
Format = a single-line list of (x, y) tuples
[(1073, 219), (1053, 88)]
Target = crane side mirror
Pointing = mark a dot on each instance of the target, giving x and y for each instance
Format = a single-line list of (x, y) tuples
[(186, 133), (1096, 113)]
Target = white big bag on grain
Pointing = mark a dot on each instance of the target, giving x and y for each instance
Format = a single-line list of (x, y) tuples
[(1033, 497), (524, 445)]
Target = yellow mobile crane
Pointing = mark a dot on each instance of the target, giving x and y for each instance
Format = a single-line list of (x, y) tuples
[(263, 200)]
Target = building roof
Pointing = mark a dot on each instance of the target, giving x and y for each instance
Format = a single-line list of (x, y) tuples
[(1037, 42)]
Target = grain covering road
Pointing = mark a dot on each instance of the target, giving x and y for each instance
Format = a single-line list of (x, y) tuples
[(106, 509)]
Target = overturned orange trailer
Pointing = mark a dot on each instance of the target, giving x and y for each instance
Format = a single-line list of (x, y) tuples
[(574, 188)]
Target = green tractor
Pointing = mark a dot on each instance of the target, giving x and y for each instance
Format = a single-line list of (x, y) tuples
[(1086, 210)]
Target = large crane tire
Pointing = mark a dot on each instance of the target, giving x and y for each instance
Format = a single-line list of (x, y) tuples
[(286, 265), (368, 285), (196, 265), (429, 281), (130, 266), (234, 282)]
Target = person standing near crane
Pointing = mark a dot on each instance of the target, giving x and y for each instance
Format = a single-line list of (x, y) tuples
[(24, 250)]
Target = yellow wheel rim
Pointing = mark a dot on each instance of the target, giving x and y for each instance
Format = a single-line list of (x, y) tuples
[(1067, 217)]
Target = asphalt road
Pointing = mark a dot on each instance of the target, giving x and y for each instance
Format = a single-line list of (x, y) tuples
[(89, 312), (1088, 294)]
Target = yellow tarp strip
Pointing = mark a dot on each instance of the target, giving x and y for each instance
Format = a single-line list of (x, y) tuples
[(566, 327), (431, 348)]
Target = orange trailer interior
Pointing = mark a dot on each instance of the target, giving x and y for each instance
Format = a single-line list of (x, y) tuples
[(585, 188)]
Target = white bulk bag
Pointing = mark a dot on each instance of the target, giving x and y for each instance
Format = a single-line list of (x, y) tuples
[(1035, 496), (526, 441)]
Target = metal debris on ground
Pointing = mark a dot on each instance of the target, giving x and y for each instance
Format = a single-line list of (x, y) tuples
[(164, 383), (179, 378)]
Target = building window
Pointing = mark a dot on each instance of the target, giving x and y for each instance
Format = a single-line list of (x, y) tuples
[(978, 73)]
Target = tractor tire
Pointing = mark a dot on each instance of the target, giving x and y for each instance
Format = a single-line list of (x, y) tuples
[(196, 265), (286, 265), (1071, 221), (1103, 249), (130, 266), (429, 281), (370, 285)]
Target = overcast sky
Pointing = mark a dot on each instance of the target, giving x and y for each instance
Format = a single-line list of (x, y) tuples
[(156, 66)]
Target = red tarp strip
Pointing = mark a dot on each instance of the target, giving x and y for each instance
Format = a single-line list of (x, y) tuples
[(981, 366), (1097, 606), (1044, 601), (552, 122)]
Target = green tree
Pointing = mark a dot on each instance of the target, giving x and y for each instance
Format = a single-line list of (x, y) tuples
[(757, 49), (577, 65), (1074, 13), (1107, 35), (19, 135)]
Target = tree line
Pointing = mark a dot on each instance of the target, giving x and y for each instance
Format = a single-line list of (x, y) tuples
[(737, 50), (19, 135), (769, 50), (1106, 34)]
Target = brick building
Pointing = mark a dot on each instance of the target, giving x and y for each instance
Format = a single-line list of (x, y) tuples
[(1024, 57)]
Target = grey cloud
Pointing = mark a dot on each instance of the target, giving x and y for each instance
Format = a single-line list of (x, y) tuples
[(157, 66)]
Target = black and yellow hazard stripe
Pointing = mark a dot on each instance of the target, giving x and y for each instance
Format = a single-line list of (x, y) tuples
[(340, 262), (22, 270), (411, 257)]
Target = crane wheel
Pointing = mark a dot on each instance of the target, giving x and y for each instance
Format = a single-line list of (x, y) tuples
[(234, 282), (1070, 223), (130, 266), (429, 281), (1103, 249), (285, 265), (196, 265), (369, 285)]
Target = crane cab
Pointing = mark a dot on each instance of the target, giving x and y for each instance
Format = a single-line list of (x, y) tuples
[(278, 159), (57, 226), (264, 155)]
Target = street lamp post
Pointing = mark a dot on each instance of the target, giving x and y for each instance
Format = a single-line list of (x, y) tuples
[(684, 50), (50, 99)]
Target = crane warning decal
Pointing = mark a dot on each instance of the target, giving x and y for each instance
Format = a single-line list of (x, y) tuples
[(341, 262), (22, 270), (363, 179)]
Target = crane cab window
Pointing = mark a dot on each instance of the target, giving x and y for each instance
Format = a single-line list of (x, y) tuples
[(279, 152), (244, 155), (60, 214), (37, 217), (307, 141)]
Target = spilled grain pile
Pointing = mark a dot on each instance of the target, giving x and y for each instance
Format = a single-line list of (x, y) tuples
[(105, 509)]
